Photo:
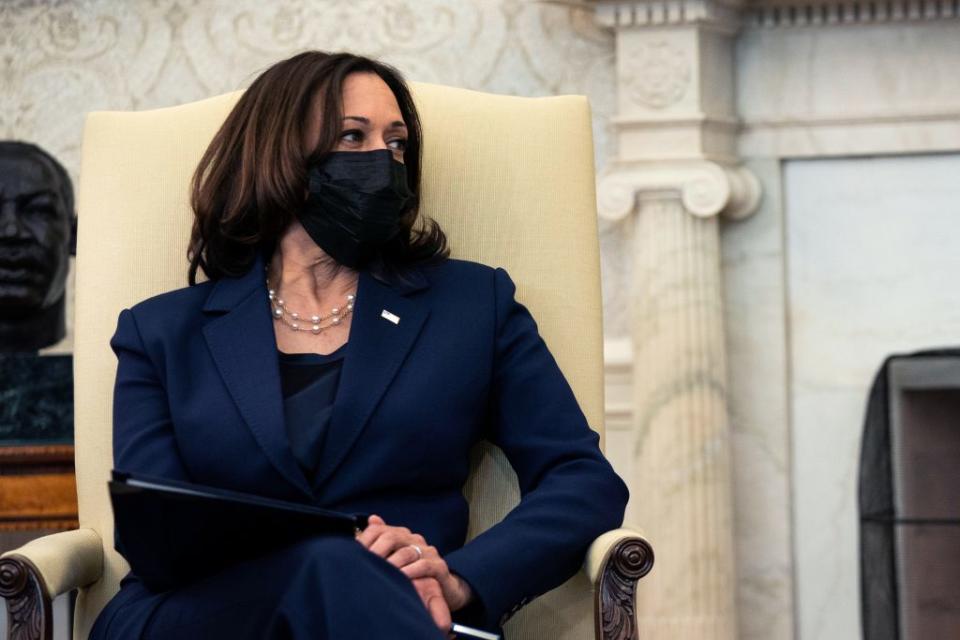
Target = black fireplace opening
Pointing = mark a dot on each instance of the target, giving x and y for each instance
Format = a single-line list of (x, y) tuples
[(909, 499)]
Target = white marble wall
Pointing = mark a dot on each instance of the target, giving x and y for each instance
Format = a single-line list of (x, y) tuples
[(815, 288), (850, 88), (756, 331), (847, 260), (882, 281)]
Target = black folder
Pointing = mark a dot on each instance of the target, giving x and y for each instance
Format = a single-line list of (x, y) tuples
[(174, 533)]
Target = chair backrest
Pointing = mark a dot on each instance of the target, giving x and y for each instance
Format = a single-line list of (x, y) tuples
[(510, 180)]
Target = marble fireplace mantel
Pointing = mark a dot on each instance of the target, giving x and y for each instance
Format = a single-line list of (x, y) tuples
[(713, 98)]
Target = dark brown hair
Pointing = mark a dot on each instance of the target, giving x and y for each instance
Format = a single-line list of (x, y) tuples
[(252, 178)]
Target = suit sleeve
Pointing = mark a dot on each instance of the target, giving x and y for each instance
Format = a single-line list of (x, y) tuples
[(143, 438), (569, 492)]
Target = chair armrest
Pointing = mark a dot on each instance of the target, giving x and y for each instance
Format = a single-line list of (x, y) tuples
[(615, 563), (42, 569), (63, 561)]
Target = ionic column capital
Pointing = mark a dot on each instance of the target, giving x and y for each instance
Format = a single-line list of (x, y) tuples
[(705, 188)]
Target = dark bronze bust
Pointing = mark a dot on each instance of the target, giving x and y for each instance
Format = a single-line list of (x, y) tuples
[(37, 235)]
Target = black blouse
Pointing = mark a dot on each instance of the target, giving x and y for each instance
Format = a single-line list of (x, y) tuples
[(309, 383)]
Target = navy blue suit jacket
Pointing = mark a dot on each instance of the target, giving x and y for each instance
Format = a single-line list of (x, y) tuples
[(198, 399)]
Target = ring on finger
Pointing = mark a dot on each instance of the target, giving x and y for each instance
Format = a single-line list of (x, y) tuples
[(418, 550)]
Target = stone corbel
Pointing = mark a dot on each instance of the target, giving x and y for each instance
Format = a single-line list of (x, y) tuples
[(705, 188)]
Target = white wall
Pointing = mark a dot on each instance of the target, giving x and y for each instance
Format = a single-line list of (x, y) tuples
[(872, 269)]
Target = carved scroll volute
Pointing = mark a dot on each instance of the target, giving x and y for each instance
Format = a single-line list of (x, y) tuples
[(29, 610), (706, 189), (615, 593)]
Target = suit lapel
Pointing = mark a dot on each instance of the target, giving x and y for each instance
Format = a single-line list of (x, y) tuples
[(377, 347), (244, 348)]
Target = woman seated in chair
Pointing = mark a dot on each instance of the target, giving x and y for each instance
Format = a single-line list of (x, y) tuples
[(337, 356)]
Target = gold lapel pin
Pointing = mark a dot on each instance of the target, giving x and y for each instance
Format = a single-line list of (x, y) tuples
[(395, 319)]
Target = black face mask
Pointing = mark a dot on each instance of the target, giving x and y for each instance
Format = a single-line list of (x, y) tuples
[(355, 204)]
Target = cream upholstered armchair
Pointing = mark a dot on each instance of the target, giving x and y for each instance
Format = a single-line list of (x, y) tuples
[(511, 181)]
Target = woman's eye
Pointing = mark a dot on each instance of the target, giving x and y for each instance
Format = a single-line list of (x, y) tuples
[(352, 136), (400, 144)]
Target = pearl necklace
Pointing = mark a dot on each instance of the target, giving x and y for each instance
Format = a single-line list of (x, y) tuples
[(281, 313)]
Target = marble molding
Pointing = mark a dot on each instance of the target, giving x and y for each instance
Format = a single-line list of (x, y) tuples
[(674, 174), (856, 87), (753, 265), (813, 13), (619, 411)]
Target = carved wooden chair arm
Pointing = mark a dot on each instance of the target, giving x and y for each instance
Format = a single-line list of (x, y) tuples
[(615, 563), (33, 575)]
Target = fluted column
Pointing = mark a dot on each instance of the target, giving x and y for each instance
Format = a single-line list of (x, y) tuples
[(676, 173), (682, 448)]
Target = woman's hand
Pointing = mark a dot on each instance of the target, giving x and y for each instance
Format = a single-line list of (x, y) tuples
[(432, 597), (398, 545)]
